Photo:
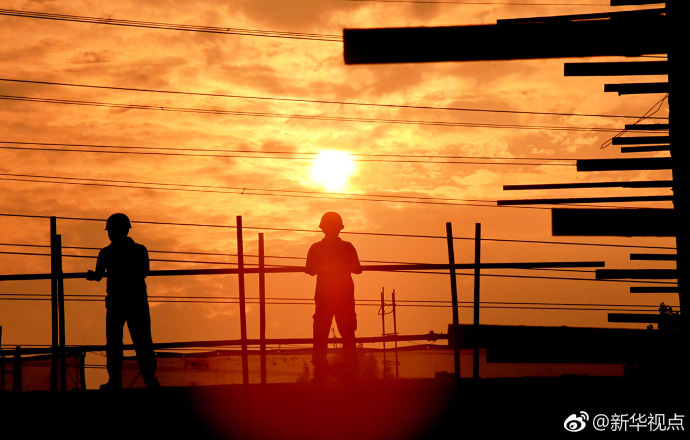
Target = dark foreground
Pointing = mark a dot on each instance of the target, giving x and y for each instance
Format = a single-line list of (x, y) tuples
[(406, 409)]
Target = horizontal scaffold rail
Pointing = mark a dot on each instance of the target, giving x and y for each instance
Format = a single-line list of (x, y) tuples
[(229, 342), (301, 269)]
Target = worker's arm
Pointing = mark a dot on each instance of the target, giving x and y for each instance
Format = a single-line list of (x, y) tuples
[(310, 267), (355, 265), (98, 274)]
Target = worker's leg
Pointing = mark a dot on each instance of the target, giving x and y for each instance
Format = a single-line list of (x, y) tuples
[(346, 318), (139, 323), (114, 324), (323, 317)]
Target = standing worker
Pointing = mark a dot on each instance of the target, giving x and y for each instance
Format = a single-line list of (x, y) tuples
[(333, 261), (126, 265)]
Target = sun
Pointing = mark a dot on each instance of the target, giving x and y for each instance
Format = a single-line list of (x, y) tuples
[(332, 169)]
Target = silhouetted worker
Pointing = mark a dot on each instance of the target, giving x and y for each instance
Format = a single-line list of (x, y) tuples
[(126, 265), (333, 261)]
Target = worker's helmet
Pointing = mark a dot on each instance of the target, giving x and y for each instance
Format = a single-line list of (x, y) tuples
[(118, 221), (331, 219)]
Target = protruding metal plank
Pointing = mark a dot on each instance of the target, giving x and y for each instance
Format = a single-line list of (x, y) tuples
[(642, 318), (654, 257), (646, 163), (637, 184), (578, 200), (634, 127), (636, 274), (616, 68), (577, 36), (645, 148), (638, 140), (653, 289), (635, 2), (637, 88), (634, 15), (613, 222)]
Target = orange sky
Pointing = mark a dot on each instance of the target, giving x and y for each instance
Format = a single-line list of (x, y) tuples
[(61, 51)]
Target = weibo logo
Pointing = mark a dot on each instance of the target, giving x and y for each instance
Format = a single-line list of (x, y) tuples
[(576, 422)]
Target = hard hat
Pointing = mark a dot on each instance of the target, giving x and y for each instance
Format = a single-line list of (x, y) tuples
[(332, 219), (118, 221)]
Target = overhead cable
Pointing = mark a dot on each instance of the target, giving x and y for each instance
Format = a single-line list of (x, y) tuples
[(478, 3), (170, 26), (322, 101), (278, 193), (312, 231), (284, 155), (209, 111)]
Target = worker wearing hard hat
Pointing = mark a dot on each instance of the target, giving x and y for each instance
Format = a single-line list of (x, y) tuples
[(126, 265), (333, 261)]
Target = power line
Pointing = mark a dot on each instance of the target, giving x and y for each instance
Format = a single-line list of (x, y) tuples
[(271, 192), (410, 271), (468, 3), (270, 257), (229, 189), (321, 101), (359, 302), (312, 231), (648, 114), (44, 254), (284, 155), (91, 248), (458, 273), (160, 260), (170, 26), (303, 116)]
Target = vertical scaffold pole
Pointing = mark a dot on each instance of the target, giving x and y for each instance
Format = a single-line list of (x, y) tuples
[(243, 315), (2, 364), (262, 308), (477, 262), (454, 299), (395, 332), (54, 308), (17, 371), (677, 11), (382, 312), (61, 314)]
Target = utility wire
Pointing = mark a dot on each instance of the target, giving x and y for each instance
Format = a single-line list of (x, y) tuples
[(295, 194), (274, 193), (283, 155), (322, 101), (270, 257), (303, 116), (458, 273), (360, 302), (170, 26), (648, 115), (91, 248), (44, 254), (313, 231), (477, 3), (231, 190)]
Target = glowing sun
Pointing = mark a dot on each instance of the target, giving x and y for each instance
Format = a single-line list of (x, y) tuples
[(332, 169)]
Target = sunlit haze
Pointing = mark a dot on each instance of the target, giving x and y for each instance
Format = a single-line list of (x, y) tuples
[(332, 169), (254, 114)]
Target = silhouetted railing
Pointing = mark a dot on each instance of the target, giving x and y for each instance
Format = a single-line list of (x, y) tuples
[(59, 348)]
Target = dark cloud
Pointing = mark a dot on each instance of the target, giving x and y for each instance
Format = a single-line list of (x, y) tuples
[(91, 57)]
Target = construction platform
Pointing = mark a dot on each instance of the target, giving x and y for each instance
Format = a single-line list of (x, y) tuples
[(382, 409)]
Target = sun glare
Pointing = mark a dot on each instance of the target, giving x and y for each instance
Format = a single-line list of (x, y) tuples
[(332, 169)]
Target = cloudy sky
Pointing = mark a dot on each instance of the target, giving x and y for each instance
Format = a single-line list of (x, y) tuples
[(185, 130)]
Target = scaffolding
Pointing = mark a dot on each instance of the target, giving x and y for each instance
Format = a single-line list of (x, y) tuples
[(59, 349)]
